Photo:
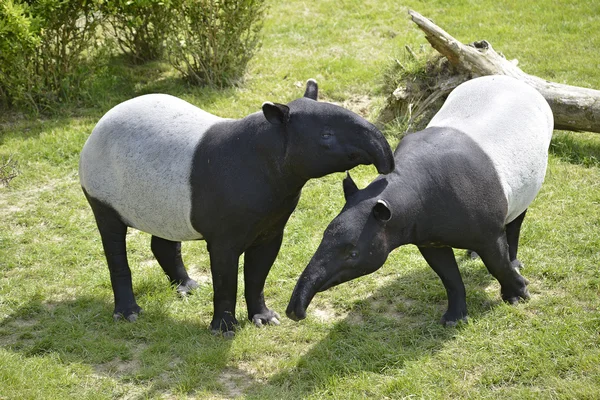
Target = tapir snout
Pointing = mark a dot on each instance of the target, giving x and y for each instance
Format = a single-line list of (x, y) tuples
[(353, 245), (380, 154)]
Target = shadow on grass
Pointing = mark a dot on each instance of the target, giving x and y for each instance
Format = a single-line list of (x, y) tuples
[(157, 352), (111, 84), (120, 81), (397, 324)]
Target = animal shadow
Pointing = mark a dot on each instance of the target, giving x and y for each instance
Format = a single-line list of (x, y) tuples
[(396, 324), (157, 349)]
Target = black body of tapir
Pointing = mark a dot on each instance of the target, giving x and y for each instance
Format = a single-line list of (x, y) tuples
[(464, 182), (161, 165)]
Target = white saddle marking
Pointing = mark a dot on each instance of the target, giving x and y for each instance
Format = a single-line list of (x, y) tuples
[(513, 124), (138, 160)]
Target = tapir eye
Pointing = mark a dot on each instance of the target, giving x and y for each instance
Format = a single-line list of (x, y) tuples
[(326, 134), (354, 254)]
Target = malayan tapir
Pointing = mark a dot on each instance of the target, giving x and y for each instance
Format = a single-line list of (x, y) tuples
[(163, 166), (465, 181)]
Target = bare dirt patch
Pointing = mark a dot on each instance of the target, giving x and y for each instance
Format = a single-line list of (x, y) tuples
[(202, 277), (355, 318), (65, 294), (235, 381), (387, 308), (14, 201), (18, 330), (360, 104), (118, 367), (325, 312)]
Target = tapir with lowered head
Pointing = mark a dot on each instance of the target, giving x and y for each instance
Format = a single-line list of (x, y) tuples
[(465, 181), (163, 166)]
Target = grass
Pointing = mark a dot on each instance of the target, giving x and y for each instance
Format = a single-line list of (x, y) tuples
[(376, 337)]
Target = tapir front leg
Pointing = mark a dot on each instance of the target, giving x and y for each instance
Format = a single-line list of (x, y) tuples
[(168, 255), (224, 270), (443, 262), (258, 261)]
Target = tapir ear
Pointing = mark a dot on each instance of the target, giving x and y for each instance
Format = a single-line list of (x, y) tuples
[(312, 89), (349, 186), (275, 113), (382, 211)]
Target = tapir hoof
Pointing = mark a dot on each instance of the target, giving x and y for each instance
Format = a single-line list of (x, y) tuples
[(449, 322), (268, 318), (517, 265), (225, 325), (187, 287), (516, 291), (522, 295), (129, 316), (516, 299)]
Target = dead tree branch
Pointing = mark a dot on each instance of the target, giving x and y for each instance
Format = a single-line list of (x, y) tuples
[(575, 108)]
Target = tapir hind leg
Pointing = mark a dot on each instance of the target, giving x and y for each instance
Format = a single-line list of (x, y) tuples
[(496, 258), (258, 261), (168, 255), (513, 230), (113, 232), (443, 262)]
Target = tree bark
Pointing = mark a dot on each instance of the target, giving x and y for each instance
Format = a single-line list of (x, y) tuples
[(574, 108)]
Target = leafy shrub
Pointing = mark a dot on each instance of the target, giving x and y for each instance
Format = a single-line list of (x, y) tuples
[(215, 39), (139, 27), (17, 44), (43, 50), (49, 48)]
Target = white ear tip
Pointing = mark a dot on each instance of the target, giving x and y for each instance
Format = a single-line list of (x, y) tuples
[(313, 80), (383, 202), (267, 103)]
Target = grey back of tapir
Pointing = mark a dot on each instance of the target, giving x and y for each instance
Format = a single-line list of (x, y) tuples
[(465, 181), (161, 165)]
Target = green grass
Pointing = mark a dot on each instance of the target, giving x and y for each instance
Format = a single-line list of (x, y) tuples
[(376, 337)]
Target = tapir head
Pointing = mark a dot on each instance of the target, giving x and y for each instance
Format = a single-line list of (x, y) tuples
[(354, 244), (322, 138)]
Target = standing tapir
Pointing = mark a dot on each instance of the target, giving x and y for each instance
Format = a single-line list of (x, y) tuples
[(161, 165), (465, 182)]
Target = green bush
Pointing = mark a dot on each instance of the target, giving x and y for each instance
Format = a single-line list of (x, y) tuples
[(215, 39), (49, 49), (43, 50), (139, 27), (17, 43)]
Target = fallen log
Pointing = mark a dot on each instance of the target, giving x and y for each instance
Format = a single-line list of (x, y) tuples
[(575, 108)]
